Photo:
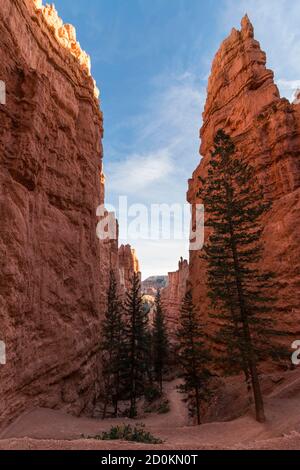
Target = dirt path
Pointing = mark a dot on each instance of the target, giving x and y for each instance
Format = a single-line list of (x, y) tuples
[(178, 415), (50, 424), (49, 429)]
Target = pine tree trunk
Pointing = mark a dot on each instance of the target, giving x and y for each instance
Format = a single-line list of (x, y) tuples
[(196, 382), (258, 399), (132, 395), (117, 394), (244, 359), (104, 410), (198, 405), (259, 404), (132, 376), (132, 412), (118, 371), (105, 404)]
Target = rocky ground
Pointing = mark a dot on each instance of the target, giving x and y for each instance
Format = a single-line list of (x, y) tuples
[(49, 429)]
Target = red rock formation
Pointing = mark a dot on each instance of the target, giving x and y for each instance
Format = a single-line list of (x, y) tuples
[(128, 265), (65, 34), (110, 258), (52, 266), (173, 294), (243, 100)]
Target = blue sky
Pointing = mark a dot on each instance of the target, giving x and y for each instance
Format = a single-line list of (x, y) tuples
[(151, 60)]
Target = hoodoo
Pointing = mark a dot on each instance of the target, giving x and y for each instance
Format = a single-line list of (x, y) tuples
[(244, 101), (128, 264)]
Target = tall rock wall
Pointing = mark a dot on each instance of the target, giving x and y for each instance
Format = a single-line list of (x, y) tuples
[(52, 265), (128, 265), (173, 294), (243, 100)]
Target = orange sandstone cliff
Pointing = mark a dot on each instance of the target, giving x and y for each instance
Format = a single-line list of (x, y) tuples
[(53, 267), (243, 100), (128, 265), (172, 295)]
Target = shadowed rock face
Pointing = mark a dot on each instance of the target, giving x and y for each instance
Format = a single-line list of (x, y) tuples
[(244, 101), (173, 294), (128, 265), (53, 269)]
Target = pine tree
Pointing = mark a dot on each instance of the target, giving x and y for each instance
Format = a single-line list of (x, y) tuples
[(135, 345), (193, 355), (111, 346), (160, 341), (239, 291)]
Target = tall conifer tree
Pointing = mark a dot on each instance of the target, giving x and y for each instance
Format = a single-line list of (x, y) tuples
[(160, 341), (193, 356), (111, 346), (135, 345), (239, 291)]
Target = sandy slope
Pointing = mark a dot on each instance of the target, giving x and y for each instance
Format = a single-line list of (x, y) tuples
[(48, 429)]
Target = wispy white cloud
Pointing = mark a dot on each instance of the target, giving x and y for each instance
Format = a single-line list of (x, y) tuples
[(289, 84), (174, 112), (289, 88), (167, 134), (137, 172)]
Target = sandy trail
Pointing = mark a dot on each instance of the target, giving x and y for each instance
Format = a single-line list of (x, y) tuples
[(49, 429), (178, 415)]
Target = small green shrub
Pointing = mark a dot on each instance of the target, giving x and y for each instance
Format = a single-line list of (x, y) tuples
[(126, 432), (152, 393), (164, 407)]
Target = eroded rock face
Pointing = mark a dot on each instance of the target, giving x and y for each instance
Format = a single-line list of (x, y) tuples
[(244, 101), (64, 33), (128, 265), (173, 294), (52, 292)]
